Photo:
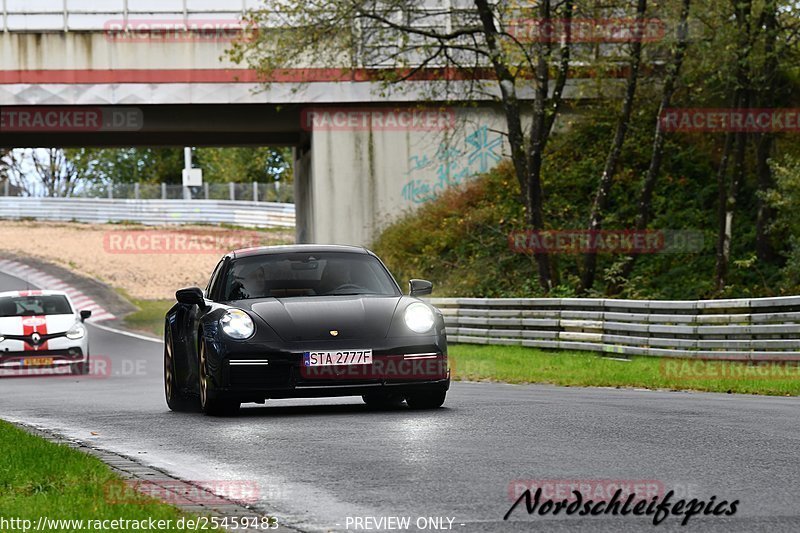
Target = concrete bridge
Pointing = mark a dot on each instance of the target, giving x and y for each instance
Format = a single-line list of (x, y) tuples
[(127, 73)]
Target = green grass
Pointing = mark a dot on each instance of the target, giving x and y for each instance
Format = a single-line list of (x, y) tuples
[(149, 318), (516, 364), (40, 478)]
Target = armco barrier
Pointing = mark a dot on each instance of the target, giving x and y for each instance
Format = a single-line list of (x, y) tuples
[(748, 329), (248, 214)]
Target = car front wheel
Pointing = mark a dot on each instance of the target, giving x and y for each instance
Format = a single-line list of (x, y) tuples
[(80, 369), (211, 402), (177, 399)]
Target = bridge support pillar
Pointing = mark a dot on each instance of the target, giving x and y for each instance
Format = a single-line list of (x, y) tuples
[(352, 183)]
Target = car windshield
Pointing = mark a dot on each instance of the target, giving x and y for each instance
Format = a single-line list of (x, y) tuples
[(34, 305), (307, 274)]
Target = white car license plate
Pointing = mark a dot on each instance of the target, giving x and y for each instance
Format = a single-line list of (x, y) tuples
[(338, 357)]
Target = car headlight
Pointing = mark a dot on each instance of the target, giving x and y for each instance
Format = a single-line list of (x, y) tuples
[(2, 338), (237, 324), (76, 332), (419, 317)]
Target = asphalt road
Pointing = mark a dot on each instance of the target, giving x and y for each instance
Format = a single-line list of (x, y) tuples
[(318, 462)]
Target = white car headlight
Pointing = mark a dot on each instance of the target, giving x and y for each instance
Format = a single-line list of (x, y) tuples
[(76, 332), (419, 317), (237, 324), (2, 338)]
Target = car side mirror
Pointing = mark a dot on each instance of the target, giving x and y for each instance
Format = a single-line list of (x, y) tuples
[(191, 296), (85, 314), (419, 287)]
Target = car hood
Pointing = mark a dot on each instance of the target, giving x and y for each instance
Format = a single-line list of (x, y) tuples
[(43, 324), (314, 318)]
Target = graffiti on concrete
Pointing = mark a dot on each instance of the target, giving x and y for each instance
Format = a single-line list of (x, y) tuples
[(430, 173)]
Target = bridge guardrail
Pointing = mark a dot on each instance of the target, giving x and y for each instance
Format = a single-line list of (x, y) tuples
[(151, 212), (765, 329), (252, 191)]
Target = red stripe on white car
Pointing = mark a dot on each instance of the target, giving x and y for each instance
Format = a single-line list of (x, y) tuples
[(30, 293), (34, 324)]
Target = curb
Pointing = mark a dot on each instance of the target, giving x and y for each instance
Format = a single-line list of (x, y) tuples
[(193, 497), (46, 281)]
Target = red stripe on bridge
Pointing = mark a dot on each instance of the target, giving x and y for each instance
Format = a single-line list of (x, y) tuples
[(303, 75)]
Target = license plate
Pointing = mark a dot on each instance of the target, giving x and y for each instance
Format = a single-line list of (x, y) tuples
[(338, 357), (37, 361)]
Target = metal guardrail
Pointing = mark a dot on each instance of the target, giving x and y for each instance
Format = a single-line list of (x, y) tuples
[(253, 191), (152, 212), (69, 15), (743, 329)]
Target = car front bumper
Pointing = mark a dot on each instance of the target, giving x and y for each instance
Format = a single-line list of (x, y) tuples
[(255, 373), (31, 361)]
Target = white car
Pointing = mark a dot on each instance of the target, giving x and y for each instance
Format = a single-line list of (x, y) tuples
[(42, 329)]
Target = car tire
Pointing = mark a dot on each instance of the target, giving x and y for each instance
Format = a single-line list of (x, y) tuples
[(426, 400), (382, 400), (177, 399), (221, 407), (211, 402), (80, 369)]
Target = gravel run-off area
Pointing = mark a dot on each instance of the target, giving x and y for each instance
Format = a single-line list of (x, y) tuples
[(147, 262)]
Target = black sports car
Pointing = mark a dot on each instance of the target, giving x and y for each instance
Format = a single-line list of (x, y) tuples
[(303, 321)]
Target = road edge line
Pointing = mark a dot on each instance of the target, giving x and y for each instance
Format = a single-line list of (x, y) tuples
[(126, 333)]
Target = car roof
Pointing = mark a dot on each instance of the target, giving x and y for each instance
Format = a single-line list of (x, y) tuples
[(298, 248), (31, 292)]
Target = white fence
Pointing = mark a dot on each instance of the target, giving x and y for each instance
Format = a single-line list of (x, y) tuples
[(81, 15), (152, 212), (743, 329)]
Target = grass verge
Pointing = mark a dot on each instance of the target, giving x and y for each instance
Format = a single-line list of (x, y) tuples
[(42, 479), (517, 364), (149, 318)]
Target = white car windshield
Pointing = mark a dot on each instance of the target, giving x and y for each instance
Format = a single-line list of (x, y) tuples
[(34, 305)]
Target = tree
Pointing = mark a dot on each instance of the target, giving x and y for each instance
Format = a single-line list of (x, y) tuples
[(138, 164), (5, 165), (245, 164), (165, 164), (643, 214), (736, 141), (772, 92), (48, 171), (765, 33), (601, 197), (459, 42)]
